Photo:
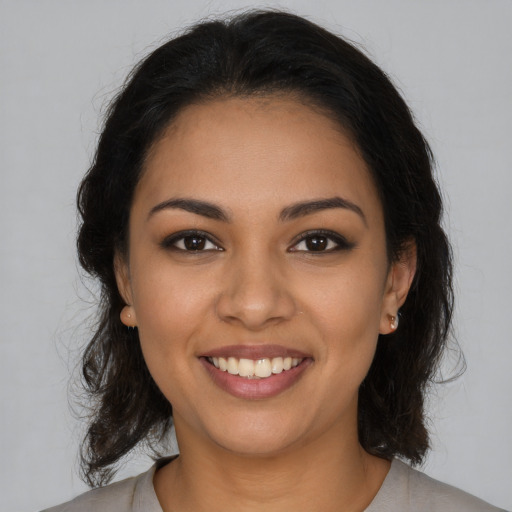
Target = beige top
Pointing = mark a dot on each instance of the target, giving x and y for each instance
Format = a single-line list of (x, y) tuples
[(404, 490)]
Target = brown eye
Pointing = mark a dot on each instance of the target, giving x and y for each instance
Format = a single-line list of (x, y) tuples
[(190, 241), (321, 242), (316, 243), (194, 243)]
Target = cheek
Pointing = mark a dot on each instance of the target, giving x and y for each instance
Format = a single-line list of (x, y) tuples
[(349, 303), (347, 315), (170, 308), (167, 323), (164, 296)]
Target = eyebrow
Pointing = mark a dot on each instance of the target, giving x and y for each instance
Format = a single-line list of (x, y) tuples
[(196, 206), (294, 211), (307, 207)]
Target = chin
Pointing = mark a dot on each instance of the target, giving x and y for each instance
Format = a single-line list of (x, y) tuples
[(255, 447), (255, 438)]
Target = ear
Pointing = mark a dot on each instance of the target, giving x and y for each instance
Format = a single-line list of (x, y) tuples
[(122, 273), (399, 280)]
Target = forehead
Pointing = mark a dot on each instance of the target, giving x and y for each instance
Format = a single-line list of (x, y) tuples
[(255, 151)]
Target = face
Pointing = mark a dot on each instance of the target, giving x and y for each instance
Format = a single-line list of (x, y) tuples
[(257, 274)]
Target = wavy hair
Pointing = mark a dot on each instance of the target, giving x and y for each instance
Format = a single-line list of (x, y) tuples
[(264, 53)]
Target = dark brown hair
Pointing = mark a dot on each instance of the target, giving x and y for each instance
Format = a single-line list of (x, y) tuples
[(264, 52)]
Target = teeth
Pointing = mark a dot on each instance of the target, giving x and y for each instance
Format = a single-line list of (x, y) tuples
[(255, 369), (277, 365), (232, 366), (263, 368), (246, 368)]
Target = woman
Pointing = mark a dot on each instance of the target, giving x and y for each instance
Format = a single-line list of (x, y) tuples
[(262, 216)]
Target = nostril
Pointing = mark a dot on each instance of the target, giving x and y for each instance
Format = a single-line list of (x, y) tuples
[(255, 306)]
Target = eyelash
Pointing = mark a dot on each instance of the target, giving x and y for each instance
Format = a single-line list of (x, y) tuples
[(340, 242), (171, 242)]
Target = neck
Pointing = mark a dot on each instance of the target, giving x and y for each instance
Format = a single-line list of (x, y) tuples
[(332, 473)]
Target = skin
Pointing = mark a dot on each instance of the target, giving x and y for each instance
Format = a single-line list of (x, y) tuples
[(256, 283)]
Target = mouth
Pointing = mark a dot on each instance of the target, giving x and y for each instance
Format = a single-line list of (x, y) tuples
[(255, 372), (255, 368)]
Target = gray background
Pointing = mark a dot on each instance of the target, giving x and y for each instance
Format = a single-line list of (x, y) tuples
[(60, 63)]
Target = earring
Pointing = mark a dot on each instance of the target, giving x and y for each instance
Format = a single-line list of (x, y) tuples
[(393, 322), (127, 317)]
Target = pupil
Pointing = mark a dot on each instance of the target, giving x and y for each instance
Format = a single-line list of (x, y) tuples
[(194, 243), (316, 243)]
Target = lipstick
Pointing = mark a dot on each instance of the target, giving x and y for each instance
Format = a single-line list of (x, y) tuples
[(223, 365)]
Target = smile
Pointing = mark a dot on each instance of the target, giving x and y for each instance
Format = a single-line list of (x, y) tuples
[(255, 369), (255, 372)]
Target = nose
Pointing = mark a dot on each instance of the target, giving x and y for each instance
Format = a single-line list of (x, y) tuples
[(255, 294)]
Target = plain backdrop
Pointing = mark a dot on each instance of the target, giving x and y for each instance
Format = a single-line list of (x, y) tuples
[(60, 63)]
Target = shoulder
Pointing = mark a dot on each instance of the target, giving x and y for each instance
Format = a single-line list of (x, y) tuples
[(406, 489), (117, 496), (135, 494)]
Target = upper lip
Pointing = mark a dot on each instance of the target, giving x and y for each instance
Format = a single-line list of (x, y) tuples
[(255, 352)]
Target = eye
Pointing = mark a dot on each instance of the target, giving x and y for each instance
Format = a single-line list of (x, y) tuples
[(191, 241), (321, 242)]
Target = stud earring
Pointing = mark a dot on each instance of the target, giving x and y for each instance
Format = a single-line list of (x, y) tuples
[(127, 318), (393, 322)]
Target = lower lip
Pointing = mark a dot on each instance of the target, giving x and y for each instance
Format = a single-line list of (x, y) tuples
[(256, 389)]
